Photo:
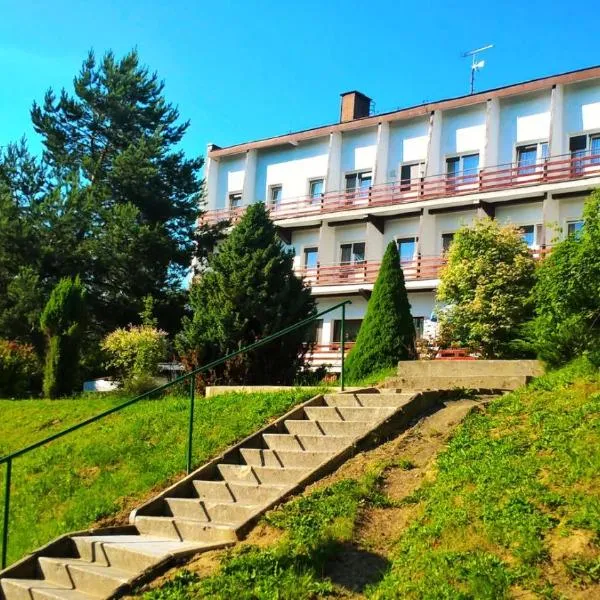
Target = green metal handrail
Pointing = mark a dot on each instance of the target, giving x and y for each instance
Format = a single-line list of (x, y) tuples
[(8, 459)]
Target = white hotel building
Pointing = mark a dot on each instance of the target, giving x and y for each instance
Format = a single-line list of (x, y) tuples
[(526, 154)]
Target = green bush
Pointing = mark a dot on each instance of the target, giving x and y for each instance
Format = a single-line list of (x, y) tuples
[(134, 355), (567, 294), (62, 321), (387, 333), (486, 286), (19, 369)]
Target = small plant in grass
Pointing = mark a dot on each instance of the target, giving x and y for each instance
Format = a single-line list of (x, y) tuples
[(19, 369), (387, 334), (62, 321)]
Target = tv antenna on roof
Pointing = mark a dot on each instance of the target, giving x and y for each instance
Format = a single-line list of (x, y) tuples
[(476, 65)]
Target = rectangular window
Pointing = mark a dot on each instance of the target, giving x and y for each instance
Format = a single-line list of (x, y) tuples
[(419, 323), (235, 200), (409, 175), (528, 235), (314, 331), (526, 159), (406, 249), (275, 194), (462, 169), (358, 181), (351, 328), (595, 149), (315, 189), (577, 147), (470, 167), (352, 254), (574, 227), (311, 258), (446, 241)]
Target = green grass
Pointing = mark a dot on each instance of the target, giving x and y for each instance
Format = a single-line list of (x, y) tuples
[(315, 526), (99, 470), (374, 378), (513, 482)]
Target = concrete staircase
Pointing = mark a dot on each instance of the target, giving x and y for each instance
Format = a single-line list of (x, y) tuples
[(217, 504)]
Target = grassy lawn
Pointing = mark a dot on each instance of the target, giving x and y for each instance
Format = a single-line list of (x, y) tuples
[(106, 468), (512, 509)]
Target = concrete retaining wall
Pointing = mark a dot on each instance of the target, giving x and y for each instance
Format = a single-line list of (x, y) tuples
[(469, 368)]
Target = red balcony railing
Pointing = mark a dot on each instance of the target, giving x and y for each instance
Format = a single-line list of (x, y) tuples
[(425, 267), (490, 179)]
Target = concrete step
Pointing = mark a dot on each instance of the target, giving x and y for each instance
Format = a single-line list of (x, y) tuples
[(208, 535), (39, 589), (366, 400), (90, 578), (131, 553), (471, 382), (343, 413), (227, 513), (213, 490), (325, 443), (285, 458), (282, 441), (245, 493), (268, 475), (238, 473), (316, 428)]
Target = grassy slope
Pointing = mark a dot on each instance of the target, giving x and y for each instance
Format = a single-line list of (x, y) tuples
[(514, 506), (105, 467)]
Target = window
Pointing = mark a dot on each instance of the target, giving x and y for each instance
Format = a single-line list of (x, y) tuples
[(419, 323), (314, 331), (315, 189), (358, 181), (579, 146), (574, 227), (275, 194), (352, 254), (235, 200), (595, 149), (351, 327), (446, 241), (311, 258), (528, 235), (409, 174), (530, 155), (464, 167), (406, 249)]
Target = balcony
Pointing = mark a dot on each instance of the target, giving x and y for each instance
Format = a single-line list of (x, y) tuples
[(422, 268), (327, 355), (491, 179)]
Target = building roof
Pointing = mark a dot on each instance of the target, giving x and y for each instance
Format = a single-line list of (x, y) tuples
[(420, 110)]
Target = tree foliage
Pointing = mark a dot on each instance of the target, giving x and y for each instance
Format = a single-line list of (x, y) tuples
[(63, 322), (567, 294), (486, 286), (248, 291), (387, 333), (19, 369)]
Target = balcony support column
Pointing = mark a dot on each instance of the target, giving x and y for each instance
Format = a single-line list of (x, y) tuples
[(249, 187), (374, 242), (212, 178), (550, 221), (382, 153), (427, 235), (492, 134), (327, 250), (557, 135), (434, 144), (333, 180)]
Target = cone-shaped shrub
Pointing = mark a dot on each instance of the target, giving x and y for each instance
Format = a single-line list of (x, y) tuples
[(387, 333), (62, 321)]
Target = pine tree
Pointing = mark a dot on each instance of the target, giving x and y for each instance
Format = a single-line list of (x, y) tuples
[(63, 322), (248, 292), (387, 333)]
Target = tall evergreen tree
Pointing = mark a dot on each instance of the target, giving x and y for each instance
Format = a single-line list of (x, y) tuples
[(387, 333), (248, 292)]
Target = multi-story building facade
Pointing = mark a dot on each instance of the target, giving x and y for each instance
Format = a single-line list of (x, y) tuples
[(526, 154)]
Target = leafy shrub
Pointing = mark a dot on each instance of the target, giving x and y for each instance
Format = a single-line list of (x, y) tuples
[(486, 286), (134, 355), (19, 369), (62, 321), (387, 333), (567, 294)]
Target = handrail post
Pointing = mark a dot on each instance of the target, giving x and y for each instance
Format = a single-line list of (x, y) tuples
[(342, 345), (191, 423), (6, 512)]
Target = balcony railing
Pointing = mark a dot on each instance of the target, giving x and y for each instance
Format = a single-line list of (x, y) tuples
[(425, 267), (489, 179)]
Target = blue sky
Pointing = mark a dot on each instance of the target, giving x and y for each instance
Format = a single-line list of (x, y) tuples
[(244, 69)]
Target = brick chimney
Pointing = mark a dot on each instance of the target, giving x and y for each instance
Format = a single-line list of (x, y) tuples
[(354, 106)]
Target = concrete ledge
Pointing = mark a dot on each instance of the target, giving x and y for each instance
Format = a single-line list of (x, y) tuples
[(458, 381), (215, 390), (469, 368)]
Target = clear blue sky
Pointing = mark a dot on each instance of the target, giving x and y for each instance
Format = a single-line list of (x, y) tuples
[(245, 69)]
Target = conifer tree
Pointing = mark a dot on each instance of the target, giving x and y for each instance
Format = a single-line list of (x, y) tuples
[(63, 322), (248, 292), (387, 333)]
